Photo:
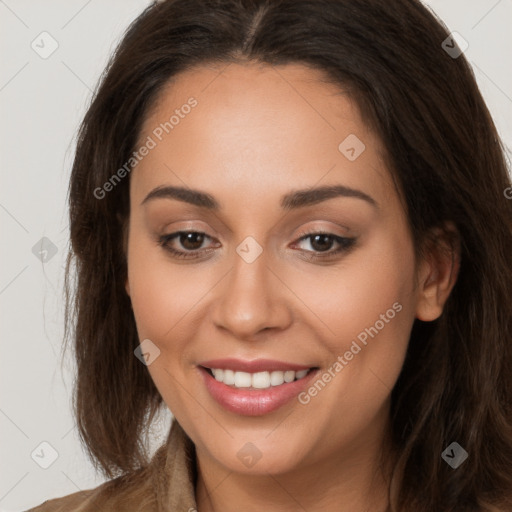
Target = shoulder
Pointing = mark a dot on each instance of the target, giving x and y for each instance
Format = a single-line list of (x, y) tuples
[(73, 502), (132, 492)]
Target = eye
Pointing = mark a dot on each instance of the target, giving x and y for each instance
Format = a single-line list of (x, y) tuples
[(321, 243), (192, 241)]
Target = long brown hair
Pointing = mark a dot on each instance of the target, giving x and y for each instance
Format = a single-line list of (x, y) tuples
[(444, 153)]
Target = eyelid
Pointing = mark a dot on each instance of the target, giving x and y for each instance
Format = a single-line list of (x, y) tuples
[(325, 231)]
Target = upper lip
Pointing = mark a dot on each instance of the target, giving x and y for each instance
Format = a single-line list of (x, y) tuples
[(253, 366)]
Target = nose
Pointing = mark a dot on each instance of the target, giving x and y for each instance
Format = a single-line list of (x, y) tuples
[(252, 298)]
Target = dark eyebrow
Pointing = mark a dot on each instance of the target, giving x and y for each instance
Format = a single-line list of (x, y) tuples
[(290, 201), (308, 197), (187, 195)]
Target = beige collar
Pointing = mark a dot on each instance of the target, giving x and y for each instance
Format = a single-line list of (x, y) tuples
[(176, 487)]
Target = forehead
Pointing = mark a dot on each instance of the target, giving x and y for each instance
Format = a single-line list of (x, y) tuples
[(257, 127)]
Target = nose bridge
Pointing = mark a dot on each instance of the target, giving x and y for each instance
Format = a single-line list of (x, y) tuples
[(250, 299)]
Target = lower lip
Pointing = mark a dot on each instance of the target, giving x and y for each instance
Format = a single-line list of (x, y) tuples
[(254, 402)]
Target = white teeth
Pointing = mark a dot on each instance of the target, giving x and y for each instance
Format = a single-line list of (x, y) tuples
[(301, 374), (258, 380), (289, 376), (242, 380), (229, 377), (218, 374), (276, 378), (261, 380)]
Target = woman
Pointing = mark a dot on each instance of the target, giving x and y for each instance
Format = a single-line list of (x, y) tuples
[(290, 227)]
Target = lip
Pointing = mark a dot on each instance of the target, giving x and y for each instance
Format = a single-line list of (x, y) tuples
[(254, 402), (256, 365)]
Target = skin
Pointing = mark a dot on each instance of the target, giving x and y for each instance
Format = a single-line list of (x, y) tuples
[(256, 134)]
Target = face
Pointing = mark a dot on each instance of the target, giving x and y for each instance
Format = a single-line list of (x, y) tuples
[(321, 280)]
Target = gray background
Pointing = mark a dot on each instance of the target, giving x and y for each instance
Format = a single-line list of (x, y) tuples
[(42, 102)]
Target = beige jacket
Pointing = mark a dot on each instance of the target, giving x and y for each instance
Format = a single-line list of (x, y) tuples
[(165, 485)]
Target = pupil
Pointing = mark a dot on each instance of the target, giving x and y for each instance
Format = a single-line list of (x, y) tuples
[(192, 241), (325, 243)]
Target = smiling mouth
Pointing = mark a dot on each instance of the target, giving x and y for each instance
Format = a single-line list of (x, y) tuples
[(256, 380)]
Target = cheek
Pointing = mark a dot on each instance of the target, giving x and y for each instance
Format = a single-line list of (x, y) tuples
[(162, 299), (366, 303), (364, 306), (161, 295)]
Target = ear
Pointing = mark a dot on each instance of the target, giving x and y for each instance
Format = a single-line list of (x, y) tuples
[(438, 271)]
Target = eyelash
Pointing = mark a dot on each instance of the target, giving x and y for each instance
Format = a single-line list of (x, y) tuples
[(344, 242)]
